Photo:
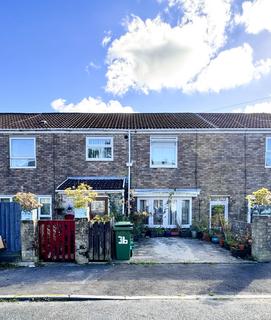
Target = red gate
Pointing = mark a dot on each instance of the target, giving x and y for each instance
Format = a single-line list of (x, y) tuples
[(57, 240)]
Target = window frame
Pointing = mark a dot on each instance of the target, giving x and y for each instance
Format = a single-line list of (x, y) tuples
[(12, 158), (165, 224), (100, 159), (47, 217), (169, 139), (6, 197), (224, 203), (266, 151)]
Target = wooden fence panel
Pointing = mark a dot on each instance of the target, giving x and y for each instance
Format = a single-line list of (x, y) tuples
[(100, 235), (57, 240)]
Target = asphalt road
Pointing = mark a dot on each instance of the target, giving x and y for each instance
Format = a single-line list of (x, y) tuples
[(157, 279), (191, 310)]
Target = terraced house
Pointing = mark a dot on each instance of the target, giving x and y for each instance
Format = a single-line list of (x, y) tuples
[(196, 160)]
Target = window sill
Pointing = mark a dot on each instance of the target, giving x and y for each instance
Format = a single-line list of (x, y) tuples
[(95, 160), (165, 167), (23, 167)]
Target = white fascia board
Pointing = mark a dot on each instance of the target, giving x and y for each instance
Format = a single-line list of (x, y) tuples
[(166, 192), (98, 191)]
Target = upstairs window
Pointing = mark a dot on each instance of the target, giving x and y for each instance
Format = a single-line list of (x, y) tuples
[(22, 153), (268, 152), (163, 153), (99, 148)]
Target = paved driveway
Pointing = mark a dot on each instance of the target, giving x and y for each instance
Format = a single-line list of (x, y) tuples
[(180, 250)]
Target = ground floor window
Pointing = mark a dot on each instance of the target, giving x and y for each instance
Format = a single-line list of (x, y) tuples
[(5, 199), (167, 213), (45, 211), (99, 207)]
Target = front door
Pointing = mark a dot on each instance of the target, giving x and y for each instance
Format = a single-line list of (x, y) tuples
[(167, 213)]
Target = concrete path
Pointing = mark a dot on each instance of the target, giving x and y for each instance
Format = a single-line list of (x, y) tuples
[(180, 250)]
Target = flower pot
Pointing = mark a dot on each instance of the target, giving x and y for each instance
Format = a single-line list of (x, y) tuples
[(236, 252), (221, 242), (26, 215), (226, 245), (199, 235), (167, 233), (241, 247), (174, 233), (206, 236), (215, 239), (194, 234)]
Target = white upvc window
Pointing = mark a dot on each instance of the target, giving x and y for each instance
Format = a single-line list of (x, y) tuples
[(268, 152), (4, 198), (167, 213), (163, 152), (99, 149), (45, 212), (22, 152)]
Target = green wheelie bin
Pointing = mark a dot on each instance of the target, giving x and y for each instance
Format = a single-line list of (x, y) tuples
[(123, 239)]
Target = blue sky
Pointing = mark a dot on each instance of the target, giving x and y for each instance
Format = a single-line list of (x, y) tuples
[(137, 55)]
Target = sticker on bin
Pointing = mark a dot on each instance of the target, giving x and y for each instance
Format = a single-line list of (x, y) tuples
[(122, 240)]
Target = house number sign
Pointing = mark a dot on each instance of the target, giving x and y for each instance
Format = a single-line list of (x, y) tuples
[(122, 240)]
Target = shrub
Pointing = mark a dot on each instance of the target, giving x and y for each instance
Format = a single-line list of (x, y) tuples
[(28, 201), (81, 196), (260, 197)]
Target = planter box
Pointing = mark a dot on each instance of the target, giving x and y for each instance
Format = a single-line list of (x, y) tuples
[(199, 235), (238, 253), (28, 215), (81, 213)]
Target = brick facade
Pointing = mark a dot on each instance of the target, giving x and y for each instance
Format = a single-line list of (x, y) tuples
[(220, 164)]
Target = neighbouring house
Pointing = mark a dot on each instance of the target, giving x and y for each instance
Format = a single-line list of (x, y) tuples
[(197, 160)]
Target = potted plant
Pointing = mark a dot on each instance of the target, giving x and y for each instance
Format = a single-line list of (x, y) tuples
[(28, 202), (260, 201), (167, 233), (202, 228), (221, 242), (81, 197), (175, 232), (194, 231)]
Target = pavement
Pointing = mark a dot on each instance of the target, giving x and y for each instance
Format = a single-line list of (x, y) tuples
[(100, 310), (180, 250)]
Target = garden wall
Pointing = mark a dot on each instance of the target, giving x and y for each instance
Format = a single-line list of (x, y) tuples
[(261, 238)]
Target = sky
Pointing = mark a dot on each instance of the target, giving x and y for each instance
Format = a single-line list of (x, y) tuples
[(135, 56)]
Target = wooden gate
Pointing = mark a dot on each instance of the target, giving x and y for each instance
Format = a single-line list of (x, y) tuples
[(100, 235), (57, 240), (10, 222)]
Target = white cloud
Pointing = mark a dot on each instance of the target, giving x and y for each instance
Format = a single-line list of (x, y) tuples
[(107, 38), (256, 16), (153, 55), (91, 105), (91, 65), (217, 14), (230, 69), (255, 108)]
